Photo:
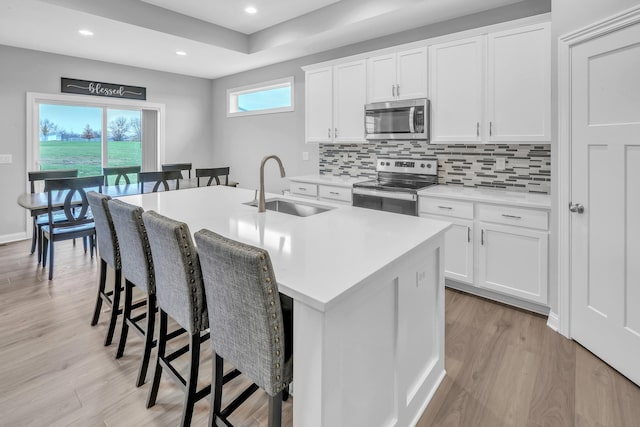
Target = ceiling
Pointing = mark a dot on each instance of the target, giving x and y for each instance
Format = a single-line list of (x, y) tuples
[(218, 36)]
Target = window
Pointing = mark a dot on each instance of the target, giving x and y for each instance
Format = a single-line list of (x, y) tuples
[(263, 98)]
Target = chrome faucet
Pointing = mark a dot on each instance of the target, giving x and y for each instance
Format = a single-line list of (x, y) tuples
[(261, 206)]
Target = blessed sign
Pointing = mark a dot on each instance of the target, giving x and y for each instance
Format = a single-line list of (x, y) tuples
[(87, 87)]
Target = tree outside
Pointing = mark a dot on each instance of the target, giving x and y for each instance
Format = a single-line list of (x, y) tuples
[(88, 133), (47, 128), (119, 128)]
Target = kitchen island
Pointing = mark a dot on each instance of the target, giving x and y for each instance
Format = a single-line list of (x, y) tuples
[(368, 290)]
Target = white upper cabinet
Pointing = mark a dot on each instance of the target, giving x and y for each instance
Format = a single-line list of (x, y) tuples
[(396, 76), (334, 103), (493, 88), (457, 91), (519, 85)]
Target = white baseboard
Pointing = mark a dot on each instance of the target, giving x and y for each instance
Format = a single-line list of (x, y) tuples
[(553, 321), (8, 238)]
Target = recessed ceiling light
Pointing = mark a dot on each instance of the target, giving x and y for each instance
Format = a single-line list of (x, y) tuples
[(181, 53), (85, 32), (251, 10)]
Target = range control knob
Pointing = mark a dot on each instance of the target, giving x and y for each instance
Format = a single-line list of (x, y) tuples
[(422, 165), (388, 164), (429, 166), (381, 163)]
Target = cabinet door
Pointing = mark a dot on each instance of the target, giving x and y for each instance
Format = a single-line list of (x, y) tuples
[(458, 249), (411, 74), (318, 105), (456, 90), (513, 261), (519, 85), (381, 78), (349, 97)]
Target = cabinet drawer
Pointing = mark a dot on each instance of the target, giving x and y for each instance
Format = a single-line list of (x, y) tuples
[(446, 207), (335, 193), (514, 216), (304, 188)]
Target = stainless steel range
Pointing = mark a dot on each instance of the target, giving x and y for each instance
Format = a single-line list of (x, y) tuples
[(397, 185)]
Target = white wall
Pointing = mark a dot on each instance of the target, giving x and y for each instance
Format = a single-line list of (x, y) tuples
[(187, 100), (240, 142), (569, 16)]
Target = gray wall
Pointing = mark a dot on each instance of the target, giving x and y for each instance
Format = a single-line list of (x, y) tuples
[(241, 142), (187, 100), (569, 16)]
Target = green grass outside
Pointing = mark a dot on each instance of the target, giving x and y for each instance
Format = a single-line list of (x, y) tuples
[(86, 156)]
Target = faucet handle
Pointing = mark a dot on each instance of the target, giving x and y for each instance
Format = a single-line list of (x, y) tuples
[(255, 194)]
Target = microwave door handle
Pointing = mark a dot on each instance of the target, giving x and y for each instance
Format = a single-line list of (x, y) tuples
[(412, 113)]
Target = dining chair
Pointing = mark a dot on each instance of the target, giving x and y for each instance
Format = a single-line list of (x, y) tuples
[(109, 253), (213, 174), (78, 223), (179, 294), (178, 167), (40, 220), (252, 323), (138, 271), (121, 172), (159, 178)]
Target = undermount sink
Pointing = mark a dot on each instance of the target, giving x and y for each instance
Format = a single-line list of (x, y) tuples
[(290, 207)]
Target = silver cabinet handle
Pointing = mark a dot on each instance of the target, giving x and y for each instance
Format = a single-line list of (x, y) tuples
[(335, 132), (445, 207), (490, 128), (397, 90), (468, 234), (335, 193), (393, 90), (328, 132), (482, 237), (302, 189), (477, 128), (511, 216), (577, 208)]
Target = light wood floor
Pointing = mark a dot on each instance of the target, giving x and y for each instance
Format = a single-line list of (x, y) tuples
[(504, 366)]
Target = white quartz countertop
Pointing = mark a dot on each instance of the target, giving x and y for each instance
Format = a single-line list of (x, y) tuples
[(513, 198), (317, 259), (338, 181)]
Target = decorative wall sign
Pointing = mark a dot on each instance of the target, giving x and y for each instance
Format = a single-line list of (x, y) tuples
[(88, 87)]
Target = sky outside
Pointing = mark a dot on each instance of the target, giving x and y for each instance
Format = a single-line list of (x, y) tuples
[(272, 98), (73, 119)]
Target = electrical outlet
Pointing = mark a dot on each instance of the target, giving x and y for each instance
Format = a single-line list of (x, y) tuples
[(501, 163), (6, 158), (305, 155)]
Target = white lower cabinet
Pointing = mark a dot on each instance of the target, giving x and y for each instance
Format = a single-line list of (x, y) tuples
[(303, 189), (332, 193), (499, 249), (513, 261)]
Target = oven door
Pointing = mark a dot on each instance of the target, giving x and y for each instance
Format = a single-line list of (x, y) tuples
[(388, 201)]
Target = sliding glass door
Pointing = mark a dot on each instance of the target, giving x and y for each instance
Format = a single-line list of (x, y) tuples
[(88, 138)]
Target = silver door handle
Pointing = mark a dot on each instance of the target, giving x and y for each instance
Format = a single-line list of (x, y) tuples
[(511, 216), (576, 208), (468, 234), (328, 132), (482, 237), (335, 132), (393, 90), (490, 128), (302, 189), (445, 207), (335, 193), (398, 90), (477, 128)]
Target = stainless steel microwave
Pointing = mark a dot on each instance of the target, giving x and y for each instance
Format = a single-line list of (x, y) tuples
[(407, 119)]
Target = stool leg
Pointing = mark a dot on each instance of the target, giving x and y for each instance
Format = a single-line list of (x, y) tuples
[(101, 285), (115, 307), (192, 380), (34, 237), (275, 410), (216, 395), (51, 251), (126, 315), (148, 338), (162, 346)]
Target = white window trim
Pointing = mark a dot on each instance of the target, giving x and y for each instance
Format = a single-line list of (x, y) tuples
[(287, 81)]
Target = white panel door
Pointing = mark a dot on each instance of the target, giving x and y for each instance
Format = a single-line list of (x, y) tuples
[(605, 180), (350, 94), (519, 85), (381, 78), (456, 90), (458, 249), (411, 81), (319, 105), (514, 261)]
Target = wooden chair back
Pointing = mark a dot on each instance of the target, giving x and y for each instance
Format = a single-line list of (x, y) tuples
[(159, 178), (213, 173), (76, 206), (35, 176), (178, 167), (120, 172)]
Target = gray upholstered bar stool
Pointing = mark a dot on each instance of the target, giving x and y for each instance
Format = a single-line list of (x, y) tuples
[(137, 268), (179, 294), (252, 323), (109, 252)]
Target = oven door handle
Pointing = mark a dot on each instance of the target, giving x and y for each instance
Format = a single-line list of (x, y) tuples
[(386, 194), (412, 118)]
